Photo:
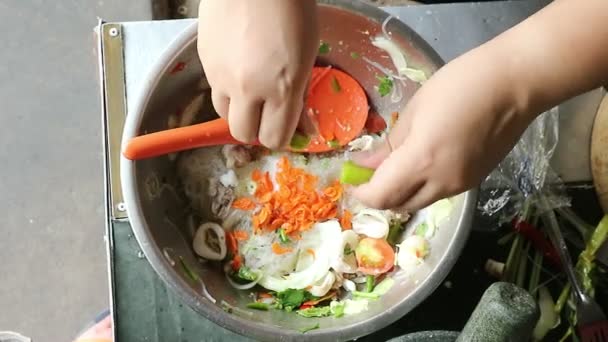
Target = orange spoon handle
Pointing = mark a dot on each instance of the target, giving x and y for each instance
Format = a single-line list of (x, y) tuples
[(211, 133)]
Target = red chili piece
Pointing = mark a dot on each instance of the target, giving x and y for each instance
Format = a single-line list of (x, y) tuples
[(178, 67), (538, 240)]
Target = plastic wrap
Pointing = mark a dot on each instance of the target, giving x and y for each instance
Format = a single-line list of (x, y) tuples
[(525, 173)]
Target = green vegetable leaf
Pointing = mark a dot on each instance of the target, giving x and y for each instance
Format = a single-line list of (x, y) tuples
[(246, 274), (258, 306), (299, 141), (384, 286), (421, 229), (283, 236), (187, 270), (394, 230), (322, 311), (385, 86), (324, 48), (335, 85), (354, 55), (291, 299), (369, 283), (307, 329), (354, 174), (338, 309), (333, 143)]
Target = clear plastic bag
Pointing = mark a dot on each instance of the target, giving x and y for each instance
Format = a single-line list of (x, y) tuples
[(525, 173)]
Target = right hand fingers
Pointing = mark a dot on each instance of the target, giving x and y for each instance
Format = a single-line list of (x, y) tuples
[(278, 122), (244, 118)]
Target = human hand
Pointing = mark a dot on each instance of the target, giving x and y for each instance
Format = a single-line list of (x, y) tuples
[(257, 57), (455, 130)]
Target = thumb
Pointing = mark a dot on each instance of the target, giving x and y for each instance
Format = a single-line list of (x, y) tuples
[(372, 159)]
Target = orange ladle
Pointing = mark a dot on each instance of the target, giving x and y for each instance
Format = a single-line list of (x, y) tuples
[(336, 103)]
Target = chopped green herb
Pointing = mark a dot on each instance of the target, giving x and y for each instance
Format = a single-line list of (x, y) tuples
[(299, 141), (348, 250), (385, 86), (421, 229), (354, 55), (338, 309), (333, 143), (226, 307), (291, 299), (394, 230), (187, 270), (324, 48), (246, 274), (305, 330), (335, 85), (258, 306), (369, 283), (322, 311), (283, 236), (370, 295)]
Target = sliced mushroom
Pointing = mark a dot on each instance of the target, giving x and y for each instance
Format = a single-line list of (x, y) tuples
[(236, 155), (210, 241), (221, 198)]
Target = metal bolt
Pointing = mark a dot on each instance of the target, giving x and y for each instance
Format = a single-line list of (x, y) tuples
[(182, 10), (121, 207), (113, 32)]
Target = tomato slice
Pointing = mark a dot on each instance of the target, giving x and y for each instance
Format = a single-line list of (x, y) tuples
[(374, 256)]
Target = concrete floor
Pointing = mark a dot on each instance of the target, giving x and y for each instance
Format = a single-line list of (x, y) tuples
[(52, 252), (53, 266)]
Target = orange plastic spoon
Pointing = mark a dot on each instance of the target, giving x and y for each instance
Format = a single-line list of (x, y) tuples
[(336, 102)]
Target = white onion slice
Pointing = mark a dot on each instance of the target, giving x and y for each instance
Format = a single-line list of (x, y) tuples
[(237, 285), (323, 286), (384, 24), (346, 263), (393, 51)]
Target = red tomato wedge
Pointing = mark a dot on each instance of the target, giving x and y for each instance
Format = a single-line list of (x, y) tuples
[(374, 256), (375, 123)]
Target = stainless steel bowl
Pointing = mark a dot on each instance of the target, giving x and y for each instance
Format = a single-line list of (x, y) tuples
[(157, 214)]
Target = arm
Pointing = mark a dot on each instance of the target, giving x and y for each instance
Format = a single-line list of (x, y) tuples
[(468, 116)]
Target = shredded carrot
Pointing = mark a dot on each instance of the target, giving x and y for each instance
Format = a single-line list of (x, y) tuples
[(311, 252), (243, 204), (394, 118), (292, 202), (233, 246), (346, 220), (240, 235), (236, 262), (278, 249)]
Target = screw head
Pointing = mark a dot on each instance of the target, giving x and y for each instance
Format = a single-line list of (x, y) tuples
[(121, 207), (182, 10), (113, 32)]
